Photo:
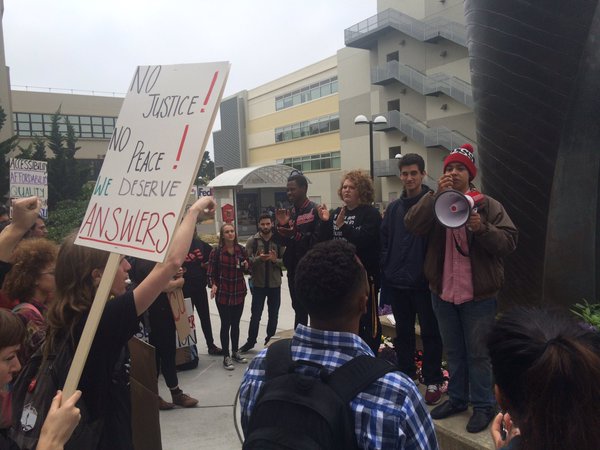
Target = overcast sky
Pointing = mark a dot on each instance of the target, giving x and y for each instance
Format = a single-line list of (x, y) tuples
[(96, 44)]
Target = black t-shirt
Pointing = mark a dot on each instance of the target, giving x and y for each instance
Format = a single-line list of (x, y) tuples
[(101, 395), (195, 274), (5, 442)]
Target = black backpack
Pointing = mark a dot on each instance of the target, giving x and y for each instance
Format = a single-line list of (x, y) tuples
[(32, 395), (297, 411)]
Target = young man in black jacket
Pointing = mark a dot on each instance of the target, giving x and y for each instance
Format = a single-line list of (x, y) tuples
[(297, 231), (402, 258)]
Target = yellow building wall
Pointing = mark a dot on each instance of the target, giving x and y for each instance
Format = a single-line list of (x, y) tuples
[(299, 113), (322, 143)]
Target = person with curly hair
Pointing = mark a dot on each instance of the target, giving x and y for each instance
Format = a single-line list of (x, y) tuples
[(31, 283), (546, 367), (358, 222)]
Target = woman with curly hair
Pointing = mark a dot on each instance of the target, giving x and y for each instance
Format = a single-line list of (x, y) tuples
[(358, 222), (31, 282)]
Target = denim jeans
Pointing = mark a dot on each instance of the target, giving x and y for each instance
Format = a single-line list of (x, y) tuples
[(406, 305), (464, 329), (273, 296)]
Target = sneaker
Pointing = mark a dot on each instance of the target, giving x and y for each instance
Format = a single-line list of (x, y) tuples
[(433, 395), (246, 347), (238, 358), (164, 405), (480, 419), (215, 351), (267, 339), (184, 400), (446, 409), (227, 363)]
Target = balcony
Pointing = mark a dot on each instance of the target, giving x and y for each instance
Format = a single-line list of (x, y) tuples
[(421, 133), (385, 168), (394, 71), (366, 33)]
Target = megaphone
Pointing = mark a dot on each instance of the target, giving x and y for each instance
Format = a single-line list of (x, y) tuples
[(453, 208)]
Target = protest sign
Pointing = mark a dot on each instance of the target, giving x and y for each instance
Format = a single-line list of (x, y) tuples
[(153, 158), (28, 178)]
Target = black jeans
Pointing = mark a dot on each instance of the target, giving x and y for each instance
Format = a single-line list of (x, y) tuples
[(406, 305), (273, 297), (197, 293), (301, 313), (230, 322), (162, 337)]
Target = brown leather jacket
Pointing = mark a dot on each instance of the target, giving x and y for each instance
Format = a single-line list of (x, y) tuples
[(496, 239)]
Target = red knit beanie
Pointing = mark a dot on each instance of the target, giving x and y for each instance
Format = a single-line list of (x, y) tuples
[(463, 155)]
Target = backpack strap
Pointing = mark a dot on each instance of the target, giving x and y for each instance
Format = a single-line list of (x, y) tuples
[(279, 358), (357, 374)]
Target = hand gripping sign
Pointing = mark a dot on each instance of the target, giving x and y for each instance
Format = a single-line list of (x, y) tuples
[(149, 168)]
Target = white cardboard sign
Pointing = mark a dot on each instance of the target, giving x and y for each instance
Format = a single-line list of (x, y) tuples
[(28, 178), (152, 159)]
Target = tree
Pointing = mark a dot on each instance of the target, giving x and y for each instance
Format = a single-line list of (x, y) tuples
[(6, 147), (206, 171), (36, 150), (67, 215), (65, 174)]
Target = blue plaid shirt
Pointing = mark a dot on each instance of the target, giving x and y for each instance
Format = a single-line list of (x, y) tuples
[(389, 414)]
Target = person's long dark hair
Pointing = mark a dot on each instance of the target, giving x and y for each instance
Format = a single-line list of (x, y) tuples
[(547, 368)]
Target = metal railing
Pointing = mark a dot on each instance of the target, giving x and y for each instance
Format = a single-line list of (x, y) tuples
[(421, 133), (386, 168), (454, 87), (18, 87), (418, 29)]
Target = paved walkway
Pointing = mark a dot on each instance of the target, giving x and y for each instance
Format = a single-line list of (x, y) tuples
[(214, 424)]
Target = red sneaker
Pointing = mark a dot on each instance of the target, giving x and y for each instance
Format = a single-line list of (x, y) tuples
[(433, 395)]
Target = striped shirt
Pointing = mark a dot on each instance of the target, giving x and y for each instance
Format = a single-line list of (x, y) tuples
[(389, 414)]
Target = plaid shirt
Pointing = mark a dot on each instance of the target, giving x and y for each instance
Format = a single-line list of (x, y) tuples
[(224, 271), (389, 414)]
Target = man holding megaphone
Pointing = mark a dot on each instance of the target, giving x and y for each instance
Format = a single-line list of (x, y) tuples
[(464, 265)]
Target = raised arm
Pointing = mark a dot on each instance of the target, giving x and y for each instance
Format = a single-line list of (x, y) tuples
[(147, 291), (25, 211)]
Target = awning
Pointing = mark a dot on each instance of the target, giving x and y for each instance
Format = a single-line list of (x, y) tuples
[(267, 176)]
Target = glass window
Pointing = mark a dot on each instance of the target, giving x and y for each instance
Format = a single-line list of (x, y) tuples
[(334, 86), (36, 118), (326, 163), (37, 127), (22, 117), (334, 123), (325, 90), (323, 126), (313, 126), (278, 136), (62, 128), (296, 99), (97, 120), (305, 166), (336, 162), (315, 165), (85, 119), (279, 104), (24, 126), (287, 135), (287, 102)]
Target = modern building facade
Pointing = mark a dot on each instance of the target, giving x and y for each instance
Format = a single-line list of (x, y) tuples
[(408, 63)]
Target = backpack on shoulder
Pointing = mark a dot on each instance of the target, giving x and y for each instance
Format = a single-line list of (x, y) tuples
[(297, 411), (32, 395)]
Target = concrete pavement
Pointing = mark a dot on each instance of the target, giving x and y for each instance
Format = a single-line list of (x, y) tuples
[(214, 424)]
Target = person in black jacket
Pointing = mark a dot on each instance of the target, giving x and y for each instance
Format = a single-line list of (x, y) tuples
[(297, 231), (358, 223), (402, 258)]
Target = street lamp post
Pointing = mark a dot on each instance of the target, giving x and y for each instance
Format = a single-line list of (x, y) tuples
[(361, 119)]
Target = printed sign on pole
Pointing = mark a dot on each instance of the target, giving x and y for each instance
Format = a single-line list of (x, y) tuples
[(153, 158), (28, 178)]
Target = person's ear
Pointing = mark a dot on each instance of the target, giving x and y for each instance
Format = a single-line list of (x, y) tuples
[(96, 276)]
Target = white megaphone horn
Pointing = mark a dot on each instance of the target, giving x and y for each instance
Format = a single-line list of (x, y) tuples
[(453, 208)]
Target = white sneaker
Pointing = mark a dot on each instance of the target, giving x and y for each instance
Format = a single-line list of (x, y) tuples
[(238, 358)]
